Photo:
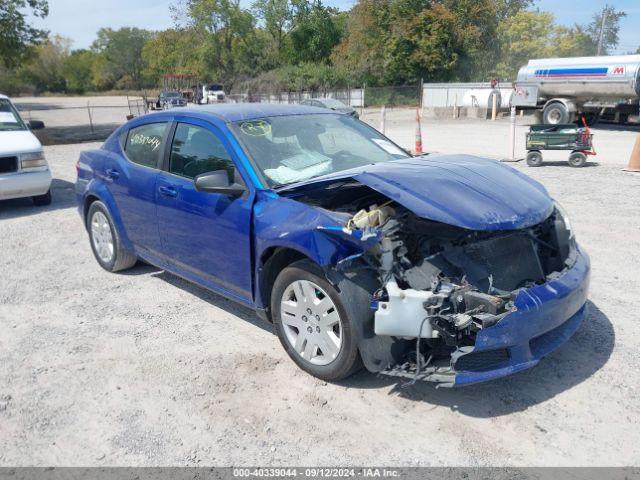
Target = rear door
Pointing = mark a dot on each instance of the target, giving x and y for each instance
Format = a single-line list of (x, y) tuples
[(206, 236), (132, 182)]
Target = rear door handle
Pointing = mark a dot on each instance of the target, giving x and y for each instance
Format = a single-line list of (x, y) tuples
[(114, 174), (168, 191)]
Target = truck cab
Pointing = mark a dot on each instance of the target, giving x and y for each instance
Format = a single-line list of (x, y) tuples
[(213, 93)]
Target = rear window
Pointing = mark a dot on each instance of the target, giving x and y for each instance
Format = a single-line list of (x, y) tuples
[(145, 144)]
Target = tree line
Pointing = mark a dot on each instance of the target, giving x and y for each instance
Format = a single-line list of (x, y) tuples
[(291, 45)]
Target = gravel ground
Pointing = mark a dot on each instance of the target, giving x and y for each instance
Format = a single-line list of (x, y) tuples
[(142, 368)]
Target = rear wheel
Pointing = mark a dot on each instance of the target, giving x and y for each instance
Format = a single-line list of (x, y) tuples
[(312, 324), (105, 242), (534, 158), (42, 200), (555, 113), (577, 159)]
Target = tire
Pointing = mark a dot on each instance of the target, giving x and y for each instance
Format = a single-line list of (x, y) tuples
[(534, 158), (105, 241), (555, 114), (577, 159), (299, 330), (42, 200)]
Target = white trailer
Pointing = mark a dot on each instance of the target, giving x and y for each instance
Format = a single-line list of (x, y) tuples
[(565, 88)]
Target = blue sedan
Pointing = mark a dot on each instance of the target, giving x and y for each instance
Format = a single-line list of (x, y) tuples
[(445, 268)]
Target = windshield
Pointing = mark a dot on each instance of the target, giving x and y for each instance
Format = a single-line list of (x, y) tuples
[(172, 94), (9, 118), (295, 148)]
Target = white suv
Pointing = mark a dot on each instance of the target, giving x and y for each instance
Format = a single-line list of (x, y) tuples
[(23, 169)]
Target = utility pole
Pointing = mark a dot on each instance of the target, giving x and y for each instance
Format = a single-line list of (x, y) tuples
[(600, 37)]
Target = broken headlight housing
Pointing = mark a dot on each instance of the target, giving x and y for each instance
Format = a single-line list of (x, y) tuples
[(564, 218)]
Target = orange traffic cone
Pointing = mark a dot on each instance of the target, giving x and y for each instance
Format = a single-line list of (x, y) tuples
[(634, 161), (418, 133)]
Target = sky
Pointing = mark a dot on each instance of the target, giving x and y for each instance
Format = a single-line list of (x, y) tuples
[(80, 20)]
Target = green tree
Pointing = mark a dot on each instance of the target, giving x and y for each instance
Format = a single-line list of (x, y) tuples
[(78, 70), (572, 42), (174, 51), (402, 41), (604, 29), (524, 36), (508, 8), (122, 52), (103, 76), (277, 17), (229, 29), (16, 34), (315, 32), (534, 34), (46, 71), (362, 49)]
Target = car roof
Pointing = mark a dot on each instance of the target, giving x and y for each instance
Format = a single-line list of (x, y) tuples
[(4, 96), (234, 112)]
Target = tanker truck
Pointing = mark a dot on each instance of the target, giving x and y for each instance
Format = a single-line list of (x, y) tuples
[(565, 89)]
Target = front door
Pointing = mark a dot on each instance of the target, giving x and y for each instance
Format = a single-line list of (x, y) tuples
[(205, 236)]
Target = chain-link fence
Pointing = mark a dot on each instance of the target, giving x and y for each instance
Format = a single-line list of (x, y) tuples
[(350, 96), (73, 119), (361, 97), (396, 96)]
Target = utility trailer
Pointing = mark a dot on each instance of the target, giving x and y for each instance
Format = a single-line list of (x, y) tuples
[(565, 89), (559, 137)]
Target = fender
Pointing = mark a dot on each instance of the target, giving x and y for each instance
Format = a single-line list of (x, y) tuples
[(284, 223), (98, 189), (568, 103)]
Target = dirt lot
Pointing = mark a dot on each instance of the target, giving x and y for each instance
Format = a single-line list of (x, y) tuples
[(143, 368)]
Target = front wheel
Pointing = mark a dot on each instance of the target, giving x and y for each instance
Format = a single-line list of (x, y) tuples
[(312, 324), (105, 242)]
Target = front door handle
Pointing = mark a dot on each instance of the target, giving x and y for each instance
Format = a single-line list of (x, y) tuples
[(113, 174), (168, 191)]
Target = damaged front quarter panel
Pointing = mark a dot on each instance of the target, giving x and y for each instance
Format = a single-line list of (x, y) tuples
[(316, 233), (471, 265)]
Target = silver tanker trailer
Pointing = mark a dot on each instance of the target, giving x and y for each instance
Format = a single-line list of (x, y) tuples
[(563, 89)]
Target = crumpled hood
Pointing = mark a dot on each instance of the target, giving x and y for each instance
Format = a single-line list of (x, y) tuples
[(460, 190)]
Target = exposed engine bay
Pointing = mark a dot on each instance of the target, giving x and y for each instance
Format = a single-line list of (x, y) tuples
[(439, 284)]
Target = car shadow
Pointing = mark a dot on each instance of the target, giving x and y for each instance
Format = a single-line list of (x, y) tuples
[(580, 358), (245, 313), (62, 197), (561, 163), (616, 127), (576, 361), (34, 106), (75, 134)]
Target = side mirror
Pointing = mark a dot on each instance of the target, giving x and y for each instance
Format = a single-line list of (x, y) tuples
[(218, 182), (36, 125)]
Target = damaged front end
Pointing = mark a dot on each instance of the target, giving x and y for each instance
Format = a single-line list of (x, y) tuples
[(458, 305)]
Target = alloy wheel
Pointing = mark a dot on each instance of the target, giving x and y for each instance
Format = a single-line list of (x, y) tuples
[(102, 237), (311, 322)]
